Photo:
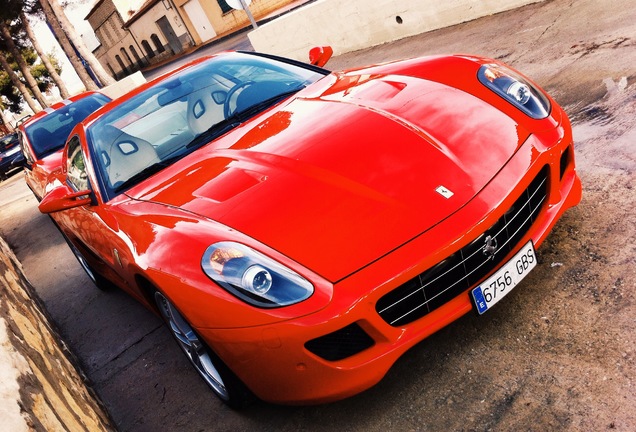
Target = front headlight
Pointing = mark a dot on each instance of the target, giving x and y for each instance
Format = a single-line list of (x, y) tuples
[(515, 89), (253, 277)]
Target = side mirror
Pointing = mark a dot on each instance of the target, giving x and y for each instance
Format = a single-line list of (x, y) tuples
[(319, 56), (63, 198)]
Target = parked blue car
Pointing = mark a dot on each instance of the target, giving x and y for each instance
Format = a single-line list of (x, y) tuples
[(11, 157)]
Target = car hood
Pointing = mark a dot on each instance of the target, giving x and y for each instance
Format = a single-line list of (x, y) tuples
[(347, 170)]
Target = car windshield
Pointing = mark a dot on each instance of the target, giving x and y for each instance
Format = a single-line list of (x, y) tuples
[(185, 111), (8, 141), (49, 134)]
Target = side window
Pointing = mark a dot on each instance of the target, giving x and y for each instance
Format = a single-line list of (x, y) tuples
[(25, 151), (149, 52), (157, 42), (75, 166)]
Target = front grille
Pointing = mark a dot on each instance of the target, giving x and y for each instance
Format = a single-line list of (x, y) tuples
[(469, 265), (341, 344)]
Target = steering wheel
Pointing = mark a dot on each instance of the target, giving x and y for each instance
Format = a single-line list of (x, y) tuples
[(227, 110)]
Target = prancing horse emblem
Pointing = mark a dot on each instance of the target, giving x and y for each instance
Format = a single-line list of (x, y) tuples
[(443, 191), (490, 248)]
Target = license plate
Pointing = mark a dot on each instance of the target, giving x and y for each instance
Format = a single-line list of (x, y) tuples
[(505, 279)]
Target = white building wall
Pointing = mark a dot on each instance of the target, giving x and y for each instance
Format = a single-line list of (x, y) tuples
[(356, 24), (146, 25)]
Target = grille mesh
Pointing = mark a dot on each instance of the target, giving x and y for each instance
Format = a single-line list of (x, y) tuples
[(466, 267)]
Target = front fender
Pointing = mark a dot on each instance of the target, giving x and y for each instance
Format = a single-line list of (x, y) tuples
[(166, 246)]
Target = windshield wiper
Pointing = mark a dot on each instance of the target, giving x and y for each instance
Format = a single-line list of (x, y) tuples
[(147, 172), (238, 117), (214, 131), (264, 104)]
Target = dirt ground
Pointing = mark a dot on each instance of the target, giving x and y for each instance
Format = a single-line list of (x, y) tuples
[(559, 353)]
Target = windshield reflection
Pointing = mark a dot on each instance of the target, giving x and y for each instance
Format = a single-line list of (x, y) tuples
[(174, 117)]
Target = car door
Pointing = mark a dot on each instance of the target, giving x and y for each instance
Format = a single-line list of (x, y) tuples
[(86, 226), (29, 161)]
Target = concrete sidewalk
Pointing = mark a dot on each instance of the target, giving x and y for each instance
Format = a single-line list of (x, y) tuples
[(41, 387)]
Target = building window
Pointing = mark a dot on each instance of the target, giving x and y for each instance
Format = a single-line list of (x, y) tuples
[(225, 8), (125, 54), (121, 64), (118, 26), (157, 42), (134, 53), (149, 52), (104, 34)]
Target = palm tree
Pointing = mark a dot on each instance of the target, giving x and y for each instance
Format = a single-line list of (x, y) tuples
[(22, 65), (18, 84), (45, 58), (88, 56), (59, 33), (7, 13)]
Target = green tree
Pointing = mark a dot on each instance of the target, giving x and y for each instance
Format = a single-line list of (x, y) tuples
[(12, 41), (17, 88), (10, 87), (42, 74), (9, 93)]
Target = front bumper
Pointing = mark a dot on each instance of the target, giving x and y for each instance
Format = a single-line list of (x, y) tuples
[(273, 360)]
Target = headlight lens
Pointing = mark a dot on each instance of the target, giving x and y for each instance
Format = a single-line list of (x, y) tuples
[(515, 89), (254, 277)]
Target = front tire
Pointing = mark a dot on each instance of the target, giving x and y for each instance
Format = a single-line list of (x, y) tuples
[(225, 385), (100, 282)]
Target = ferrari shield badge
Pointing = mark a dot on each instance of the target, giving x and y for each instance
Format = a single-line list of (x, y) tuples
[(443, 191)]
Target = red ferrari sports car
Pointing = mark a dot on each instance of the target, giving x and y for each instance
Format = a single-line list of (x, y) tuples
[(299, 230), (43, 136)]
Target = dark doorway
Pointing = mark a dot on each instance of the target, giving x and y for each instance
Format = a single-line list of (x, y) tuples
[(170, 35)]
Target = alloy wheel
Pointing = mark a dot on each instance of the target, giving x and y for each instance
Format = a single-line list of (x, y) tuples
[(196, 350)]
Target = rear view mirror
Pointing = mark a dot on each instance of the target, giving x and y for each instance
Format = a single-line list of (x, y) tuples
[(174, 93), (62, 198), (319, 56)]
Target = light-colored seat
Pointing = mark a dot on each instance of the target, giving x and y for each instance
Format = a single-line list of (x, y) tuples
[(258, 92), (124, 155), (203, 110)]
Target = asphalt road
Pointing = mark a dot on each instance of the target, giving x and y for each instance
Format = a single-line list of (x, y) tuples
[(558, 353)]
